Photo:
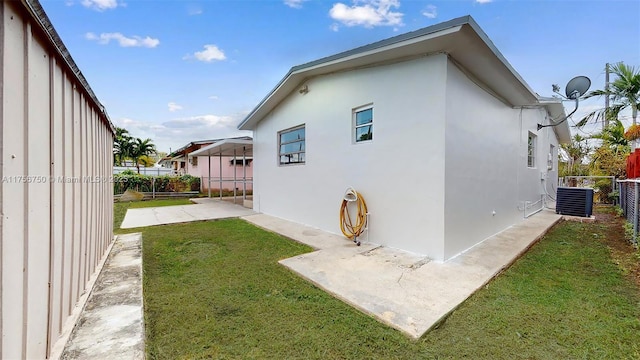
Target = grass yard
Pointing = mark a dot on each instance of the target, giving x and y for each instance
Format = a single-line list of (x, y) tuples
[(120, 208), (215, 290)]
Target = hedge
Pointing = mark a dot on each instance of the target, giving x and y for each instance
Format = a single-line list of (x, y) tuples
[(145, 183)]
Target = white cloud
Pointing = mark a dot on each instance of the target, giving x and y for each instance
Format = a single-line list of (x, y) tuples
[(180, 131), (174, 107), (367, 13), (296, 4), (100, 5), (334, 27), (430, 11), (214, 97), (209, 54), (124, 41), (194, 10), (207, 121), (484, 1)]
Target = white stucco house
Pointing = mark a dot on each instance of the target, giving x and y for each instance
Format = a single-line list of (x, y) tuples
[(434, 128)]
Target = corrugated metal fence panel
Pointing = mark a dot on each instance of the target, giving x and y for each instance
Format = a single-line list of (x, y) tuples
[(14, 166), (38, 194), (57, 200), (58, 203)]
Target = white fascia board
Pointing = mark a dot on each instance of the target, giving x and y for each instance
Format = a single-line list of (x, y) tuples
[(443, 37), (221, 146), (347, 60), (557, 112)]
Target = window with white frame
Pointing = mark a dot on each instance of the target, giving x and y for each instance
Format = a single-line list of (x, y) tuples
[(363, 124), (551, 157), (291, 145), (531, 150)]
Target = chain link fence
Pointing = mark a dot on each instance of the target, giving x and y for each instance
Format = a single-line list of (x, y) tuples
[(629, 197)]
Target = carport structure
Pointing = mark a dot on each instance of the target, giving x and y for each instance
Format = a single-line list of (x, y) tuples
[(236, 149)]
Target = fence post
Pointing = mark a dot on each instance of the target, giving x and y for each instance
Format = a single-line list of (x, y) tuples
[(635, 210), (622, 191), (153, 187)]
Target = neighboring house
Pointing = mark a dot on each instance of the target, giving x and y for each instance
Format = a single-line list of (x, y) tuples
[(182, 163), (56, 193), (434, 128), (178, 160)]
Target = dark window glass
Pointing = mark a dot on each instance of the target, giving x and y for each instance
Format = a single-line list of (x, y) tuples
[(292, 146)]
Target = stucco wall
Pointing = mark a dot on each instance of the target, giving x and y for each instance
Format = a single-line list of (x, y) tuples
[(56, 197), (487, 178), (532, 185), (400, 173)]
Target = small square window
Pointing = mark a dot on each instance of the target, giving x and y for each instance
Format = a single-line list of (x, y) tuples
[(531, 150), (291, 145), (363, 124)]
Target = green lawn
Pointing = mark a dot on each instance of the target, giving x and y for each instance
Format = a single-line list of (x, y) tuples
[(120, 208), (215, 290)]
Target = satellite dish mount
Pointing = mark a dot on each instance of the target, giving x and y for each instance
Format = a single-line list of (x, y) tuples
[(576, 87)]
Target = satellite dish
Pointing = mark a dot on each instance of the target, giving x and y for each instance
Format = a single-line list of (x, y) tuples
[(577, 87)]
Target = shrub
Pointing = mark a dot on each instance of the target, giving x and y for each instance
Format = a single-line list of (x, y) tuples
[(632, 133), (604, 191), (628, 232), (146, 183)]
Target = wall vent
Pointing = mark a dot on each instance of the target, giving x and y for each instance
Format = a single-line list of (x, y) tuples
[(574, 201)]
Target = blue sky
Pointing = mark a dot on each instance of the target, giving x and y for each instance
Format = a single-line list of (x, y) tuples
[(179, 71)]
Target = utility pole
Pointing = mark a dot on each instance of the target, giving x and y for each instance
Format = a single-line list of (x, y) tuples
[(606, 98)]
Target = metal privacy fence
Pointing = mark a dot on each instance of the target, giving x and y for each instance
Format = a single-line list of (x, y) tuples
[(629, 197)]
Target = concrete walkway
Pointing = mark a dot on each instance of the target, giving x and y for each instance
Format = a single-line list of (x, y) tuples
[(405, 291), (111, 324), (205, 209)]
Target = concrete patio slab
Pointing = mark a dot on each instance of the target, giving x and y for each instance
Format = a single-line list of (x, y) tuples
[(111, 323), (403, 290), (208, 209)]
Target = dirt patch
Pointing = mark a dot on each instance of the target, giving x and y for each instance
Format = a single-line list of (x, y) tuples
[(623, 253)]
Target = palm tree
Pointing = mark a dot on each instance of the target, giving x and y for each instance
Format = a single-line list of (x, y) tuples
[(624, 91), (122, 146), (610, 158), (575, 152), (613, 136), (141, 148)]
